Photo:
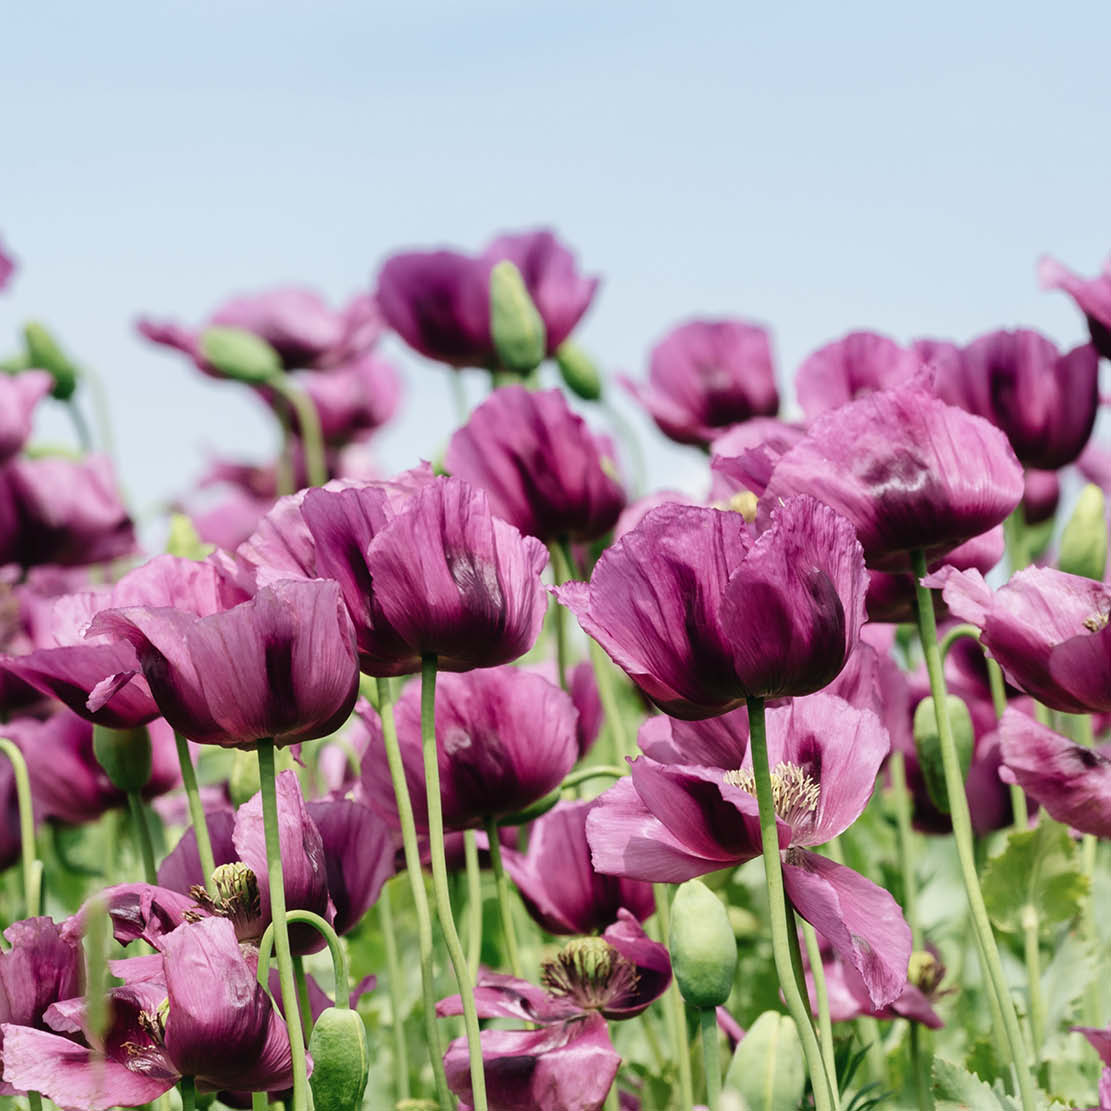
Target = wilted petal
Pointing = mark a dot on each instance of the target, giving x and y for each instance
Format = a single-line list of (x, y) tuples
[(137, 910), (652, 961)]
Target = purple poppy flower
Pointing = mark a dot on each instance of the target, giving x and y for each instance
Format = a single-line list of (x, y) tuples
[(558, 883), (854, 366), (7, 267), (1041, 497), (636, 511), (1092, 297), (1044, 401), (1100, 1041), (1071, 781), (909, 472), (281, 665), (505, 738), (40, 967), (205, 1017), (744, 457), (1047, 630), (439, 301), (541, 467), (569, 1063), (706, 375), (671, 822), (65, 511), (354, 399), (582, 686), (76, 668), (700, 615), (19, 394)]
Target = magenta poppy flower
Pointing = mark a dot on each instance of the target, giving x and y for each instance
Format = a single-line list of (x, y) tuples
[(569, 1063), (65, 511), (541, 467), (670, 822), (505, 738), (439, 301), (1092, 297), (19, 394), (706, 375), (744, 457), (909, 472), (1044, 401), (204, 1016), (558, 883), (1047, 630), (1071, 781), (1100, 1041), (78, 669), (700, 615), (354, 399), (636, 511), (1041, 496), (304, 331), (281, 665), (854, 366)]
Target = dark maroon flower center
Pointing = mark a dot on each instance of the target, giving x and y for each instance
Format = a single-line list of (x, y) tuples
[(590, 973)]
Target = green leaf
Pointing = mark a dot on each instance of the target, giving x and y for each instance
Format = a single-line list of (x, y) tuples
[(239, 354), (958, 1090), (1036, 874), (768, 1070), (928, 743)]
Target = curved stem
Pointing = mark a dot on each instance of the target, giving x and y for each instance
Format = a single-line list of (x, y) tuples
[(821, 994), (711, 1058), (439, 879), (962, 832), (32, 868), (80, 424), (777, 902), (955, 634), (592, 772), (416, 886), (998, 689), (308, 425), (141, 832), (393, 970), (196, 812), (896, 765), (674, 1003), (300, 1101), (101, 410), (561, 570), (303, 1004), (501, 881), (474, 900)]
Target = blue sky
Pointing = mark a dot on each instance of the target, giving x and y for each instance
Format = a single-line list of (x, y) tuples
[(814, 167)]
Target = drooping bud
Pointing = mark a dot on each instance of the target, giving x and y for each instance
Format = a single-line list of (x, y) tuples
[(703, 948), (590, 972), (578, 371), (1084, 541), (124, 754), (927, 741), (516, 327), (341, 1060), (44, 353), (239, 354)]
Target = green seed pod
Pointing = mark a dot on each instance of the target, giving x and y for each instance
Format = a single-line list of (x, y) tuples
[(517, 329), (341, 1061), (703, 948), (579, 372), (44, 353), (1084, 541), (124, 754), (239, 354), (928, 744)]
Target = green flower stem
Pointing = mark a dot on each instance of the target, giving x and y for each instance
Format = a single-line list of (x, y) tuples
[(300, 1099), (393, 970), (561, 570), (673, 1002), (308, 421), (613, 1098), (896, 766), (1083, 735), (34, 1101), (582, 774), (920, 1067), (1033, 956), (711, 1057), (474, 901), (817, 971), (260, 1101), (196, 812), (80, 425), (999, 702), (416, 886), (505, 909), (868, 1030), (303, 992), (32, 866), (188, 1088), (340, 975), (955, 634), (439, 879), (141, 832), (962, 833), (459, 396), (777, 903)]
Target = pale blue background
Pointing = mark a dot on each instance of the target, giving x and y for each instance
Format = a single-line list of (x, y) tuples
[(816, 167)]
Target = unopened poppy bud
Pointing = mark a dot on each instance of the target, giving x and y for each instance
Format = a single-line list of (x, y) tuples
[(925, 971), (124, 754), (516, 327), (184, 541), (44, 353), (341, 1061), (928, 744), (703, 947), (579, 373), (239, 354), (1084, 541)]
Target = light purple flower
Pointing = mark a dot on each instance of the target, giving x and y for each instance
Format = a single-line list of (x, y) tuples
[(1092, 297), (19, 394), (854, 366)]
